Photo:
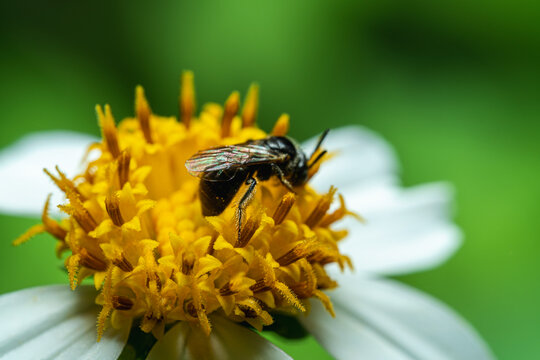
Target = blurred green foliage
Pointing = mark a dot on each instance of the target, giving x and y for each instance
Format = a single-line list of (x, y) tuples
[(453, 85)]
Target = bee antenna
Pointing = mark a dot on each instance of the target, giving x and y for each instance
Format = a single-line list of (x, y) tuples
[(321, 138), (319, 157)]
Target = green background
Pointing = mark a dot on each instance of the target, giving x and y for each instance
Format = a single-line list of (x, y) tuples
[(453, 85)]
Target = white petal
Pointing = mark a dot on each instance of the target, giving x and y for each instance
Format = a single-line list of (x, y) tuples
[(24, 185), (361, 157), (226, 341), (53, 322), (405, 230), (382, 319)]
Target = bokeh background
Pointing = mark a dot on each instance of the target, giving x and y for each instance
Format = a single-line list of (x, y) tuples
[(453, 85)]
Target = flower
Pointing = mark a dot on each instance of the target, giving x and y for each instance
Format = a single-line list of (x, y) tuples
[(135, 226)]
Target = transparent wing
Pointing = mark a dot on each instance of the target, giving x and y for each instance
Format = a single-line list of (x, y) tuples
[(231, 157)]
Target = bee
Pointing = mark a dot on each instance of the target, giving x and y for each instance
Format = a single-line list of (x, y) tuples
[(223, 170)]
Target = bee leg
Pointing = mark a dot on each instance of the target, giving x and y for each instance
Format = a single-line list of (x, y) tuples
[(243, 203), (281, 178)]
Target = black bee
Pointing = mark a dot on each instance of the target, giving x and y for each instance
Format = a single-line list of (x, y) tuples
[(224, 169)]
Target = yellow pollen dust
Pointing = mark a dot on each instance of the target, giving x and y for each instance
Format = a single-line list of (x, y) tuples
[(134, 224)]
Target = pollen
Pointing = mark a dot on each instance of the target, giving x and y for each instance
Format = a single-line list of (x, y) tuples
[(133, 223)]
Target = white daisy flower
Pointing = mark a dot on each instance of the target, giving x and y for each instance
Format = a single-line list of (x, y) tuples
[(135, 225)]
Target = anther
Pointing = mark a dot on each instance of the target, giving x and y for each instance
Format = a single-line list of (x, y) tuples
[(260, 286), (62, 182), (321, 257), (247, 232), (248, 311), (123, 264), (108, 129), (90, 261), (113, 209), (251, 105), (293, 255), (121, 302), (285, 205), (190, 309), (187, 98), (143, 111), (187, 263), (231, 108), (226, 290), (321, 208), (158, 282), (302, 289), (210, 249), (123, 168), (281, 128), (79, 212)]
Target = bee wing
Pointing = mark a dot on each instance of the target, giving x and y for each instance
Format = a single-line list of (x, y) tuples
[(231, 157)]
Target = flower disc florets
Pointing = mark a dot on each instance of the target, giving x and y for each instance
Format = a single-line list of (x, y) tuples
[(135, 225)]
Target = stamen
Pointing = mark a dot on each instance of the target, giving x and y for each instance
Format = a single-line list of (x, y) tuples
[(329, 219), (30, 233), (143, 111), (322, 257), (78, 211), (90, 261), (106, 311), (321, 208), (187, 98), (285, 205), (293, 255), (304, 289), (325, 301), (231, 108), (121, 302), (123, 264), (281, 128), (187, 263), (189, 308), (72, 265), (210, 249), (52, 226), (250, 307), (226, 290), (247, 231), (62, 182), (251, 105), (201, 310), (289, 296), (260, 286), (148, 322), (108, 129), (123, 168), (157, 279), (113, 209)]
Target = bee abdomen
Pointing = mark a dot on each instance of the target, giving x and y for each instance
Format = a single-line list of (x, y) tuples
[(215, 195)]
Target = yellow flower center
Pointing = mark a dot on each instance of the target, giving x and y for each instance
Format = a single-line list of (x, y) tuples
[(135, 224)]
